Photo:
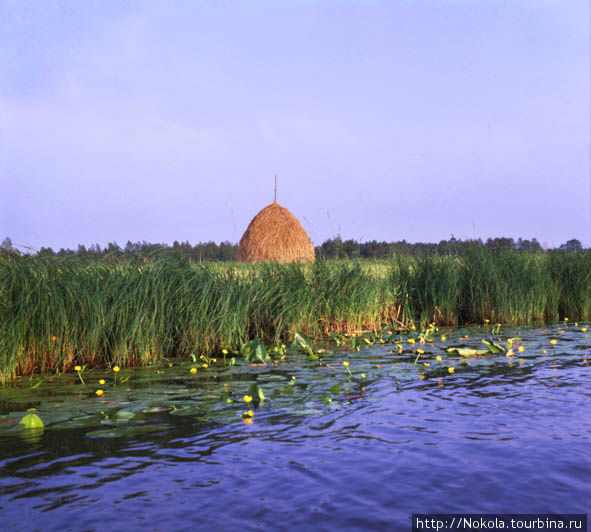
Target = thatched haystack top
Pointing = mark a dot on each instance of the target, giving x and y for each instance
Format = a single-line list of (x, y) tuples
[(275, 234)]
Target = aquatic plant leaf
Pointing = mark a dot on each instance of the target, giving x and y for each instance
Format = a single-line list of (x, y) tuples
[(305, 344), (255, 349), (32, 421), (270, 378), (261, 352), (467, 352), (511, 340), (492, 346), (256, 392), (38, 383), (335, 388)]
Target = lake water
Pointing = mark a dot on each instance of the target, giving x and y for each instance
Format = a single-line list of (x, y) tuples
[(167, 450)]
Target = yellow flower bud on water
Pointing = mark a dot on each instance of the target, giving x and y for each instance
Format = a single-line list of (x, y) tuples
[(101, 381), (247, 399), (521, 349), (77, 368), (100, 393), (438, 358), (193, 370), (116, 369), (224, 351), (204, 365), (345, 363), (451, 369), (553, 342), (411, 340), (443, 337)]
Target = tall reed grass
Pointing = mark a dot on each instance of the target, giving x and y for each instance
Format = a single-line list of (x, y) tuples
[(55, 314)]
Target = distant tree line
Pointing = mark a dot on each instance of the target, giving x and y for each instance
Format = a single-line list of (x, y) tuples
[(334, 248)]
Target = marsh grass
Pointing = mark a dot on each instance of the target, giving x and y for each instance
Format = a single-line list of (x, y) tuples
[(58, 313)]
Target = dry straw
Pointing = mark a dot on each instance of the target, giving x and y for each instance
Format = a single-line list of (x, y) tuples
[(275, 235)]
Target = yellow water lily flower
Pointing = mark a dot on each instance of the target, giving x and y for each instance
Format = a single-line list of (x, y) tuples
[(543, 351), (116, 369), (247, 398), (193, 370), (451, 369), (100, 393), (521, 349), (411, 340), (363, 375), (224, 351), (101, 381), (345, 363), (204, 365), (553, 342), (420, 351), (438, 358), (443, 338), (77, 368), (584, 329)]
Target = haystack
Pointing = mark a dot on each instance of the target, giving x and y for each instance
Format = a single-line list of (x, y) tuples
[(275, 234)]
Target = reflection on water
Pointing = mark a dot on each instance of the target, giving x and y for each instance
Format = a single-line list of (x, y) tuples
[(170, 452)]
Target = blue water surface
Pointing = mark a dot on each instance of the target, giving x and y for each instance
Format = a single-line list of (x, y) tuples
[(499, 435)]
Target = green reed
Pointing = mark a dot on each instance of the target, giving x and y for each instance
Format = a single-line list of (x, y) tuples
[(57, 313)]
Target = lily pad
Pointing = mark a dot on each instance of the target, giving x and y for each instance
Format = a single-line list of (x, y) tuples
[(32, 421), (466, 351)]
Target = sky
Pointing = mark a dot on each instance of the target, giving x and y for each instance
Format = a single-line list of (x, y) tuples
[(383, 120)]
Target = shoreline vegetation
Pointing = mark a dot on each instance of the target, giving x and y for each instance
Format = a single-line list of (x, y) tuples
[(60, 312)]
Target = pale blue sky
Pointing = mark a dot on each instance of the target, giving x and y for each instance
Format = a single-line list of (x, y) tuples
[(386, 120)]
